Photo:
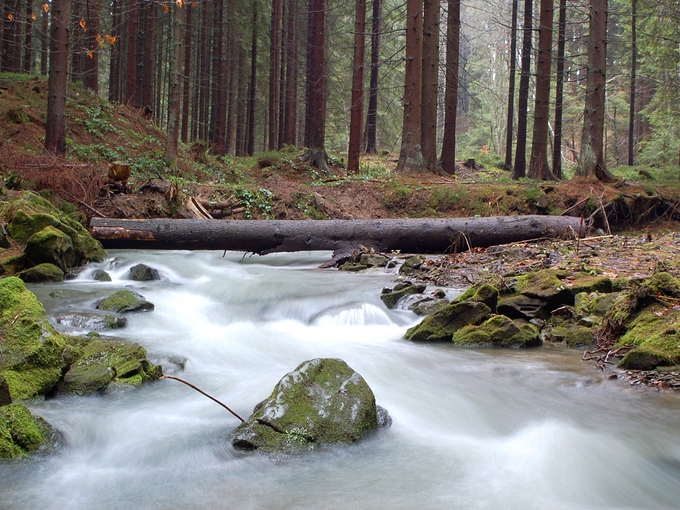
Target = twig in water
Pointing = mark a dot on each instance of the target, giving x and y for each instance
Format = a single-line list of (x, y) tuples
[(202, 393)]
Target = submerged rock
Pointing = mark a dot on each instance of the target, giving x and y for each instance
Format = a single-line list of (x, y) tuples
[(101, 276), (144, 273), (125, 301), (323, 401), (392, 296), (22, 433)]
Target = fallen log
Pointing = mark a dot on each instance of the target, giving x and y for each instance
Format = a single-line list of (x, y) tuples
[(422, 235)]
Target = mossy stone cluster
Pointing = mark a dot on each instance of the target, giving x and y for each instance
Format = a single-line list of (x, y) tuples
[(125, 301), (22, 433), (322, 401), (42, 234), (512, 313)]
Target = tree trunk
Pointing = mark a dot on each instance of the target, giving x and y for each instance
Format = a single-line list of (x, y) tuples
[(115, 64), (315, 115), (591, 162), (131, 62), (204, 80), (411, 155), (372, 114), (274, 73), (538, 166), (430, 84), (424, 235), (91, 81), (511, 86), (451, 99), (44, 44), (218, 132), (633, 75), (172, 140), (559, 90), (242, 103), (357, 103), (252, 90), (55, 127), (28, 39), (520, 153), (291, 103), (186, 82)]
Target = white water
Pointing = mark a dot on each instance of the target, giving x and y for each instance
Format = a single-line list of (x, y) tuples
[(502, 429)]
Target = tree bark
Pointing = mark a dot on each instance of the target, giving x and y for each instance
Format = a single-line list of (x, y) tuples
[(357, 104), (372, 113), (424, 235), (315, 116), (91, 81), (559, 90), (430, 84), (411, 154), (172, 140), (218, 132), (55, 127), (520, 153), (274, 74), (28, 39), (186, 81), (511, 86), (633, 75), (591, 162), (115, 62), (131, 62), (451, 99), (252, 90), (538, 166)]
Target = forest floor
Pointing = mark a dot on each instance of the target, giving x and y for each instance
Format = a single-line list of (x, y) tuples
[(634, 220)]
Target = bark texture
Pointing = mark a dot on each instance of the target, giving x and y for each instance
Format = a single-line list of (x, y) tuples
[(357, 105), (55, 127), (448, 158), (425, 235)]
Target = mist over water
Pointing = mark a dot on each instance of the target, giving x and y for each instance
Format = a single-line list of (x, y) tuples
[(472, 428)]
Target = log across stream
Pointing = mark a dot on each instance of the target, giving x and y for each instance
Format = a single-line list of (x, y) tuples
[(422, 235)]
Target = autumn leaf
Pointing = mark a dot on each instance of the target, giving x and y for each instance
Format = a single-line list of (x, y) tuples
[(46, 7), (90, 54), (33, 16), (110, 39), (98, 38), (166, 8), (83, 24), (10, 16), (180, 3), (194, 4)]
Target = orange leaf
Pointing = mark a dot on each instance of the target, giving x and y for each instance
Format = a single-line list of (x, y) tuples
[(165, 7), (46, 7), (33, 16), (194, 4), (10, 16), (101, 43), (89, 54), (110, 39), (83, 24), (180, 3), (98, 38)]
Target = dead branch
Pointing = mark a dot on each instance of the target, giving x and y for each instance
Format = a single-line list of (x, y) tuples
[(202, 393)]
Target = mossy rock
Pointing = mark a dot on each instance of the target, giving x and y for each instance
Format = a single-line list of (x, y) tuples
[(101, 362), (22, 433), (584, 282), (373, 260), (52, 246), (4, 238), (520, 306), (392, 296), (644, 358), (24, 225), (573, 335), (429, 307), (32, 349), (352, 267), (546, 284), (45, 272), (144, 273), (323, 401), (498, 331), (655, 332), (441, 325), (125, 301), (101, 276)]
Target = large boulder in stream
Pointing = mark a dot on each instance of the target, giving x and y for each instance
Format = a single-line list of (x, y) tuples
[(322, 401), (22, 433), (125, 301)]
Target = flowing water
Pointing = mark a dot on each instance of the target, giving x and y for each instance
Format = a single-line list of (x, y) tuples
[(473, 428)]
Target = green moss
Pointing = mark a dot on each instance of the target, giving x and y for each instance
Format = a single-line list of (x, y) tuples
[(21, 432), (441, 325), (546, 284), (125, 301), (23, 225), (498, 331), (42, 273), (574, 335)]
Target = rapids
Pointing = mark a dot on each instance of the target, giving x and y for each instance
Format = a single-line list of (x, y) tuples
[(473, 428)]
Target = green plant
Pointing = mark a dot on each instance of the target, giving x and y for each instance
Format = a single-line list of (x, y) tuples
[(254, 200), (443, 198), (98, 120)]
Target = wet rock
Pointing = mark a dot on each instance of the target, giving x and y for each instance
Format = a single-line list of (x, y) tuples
[(4, 237), (51, 246), (643, 358), (573, 335), (441, 325), (125, 301), (323, 401), (373, 260), (31, 359), (392, 296), (42, 273), (545, 285), (144, 273), (5, 397), (92, 322), (101, 276), (100, 363), (429, 306), (352, 267), (498, 331), (22, 433), (519, 306)]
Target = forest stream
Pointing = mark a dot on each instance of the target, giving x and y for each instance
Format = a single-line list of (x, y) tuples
[(472, 428)]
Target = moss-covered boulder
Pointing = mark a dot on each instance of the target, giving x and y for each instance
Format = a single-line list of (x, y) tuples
[(103, 362), (441, 325), (392, 296), (52, 246), (594, 303), (573, 335), (45, 272), (498, 331), (22, 433), (5, 397), (429, 306), (144, 273), (373, 260), (546, 285), (322, 401), (32, 350), (100, 275), (125, 301), (519, 306)]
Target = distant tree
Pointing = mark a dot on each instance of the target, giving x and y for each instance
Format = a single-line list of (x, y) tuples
[(252, 88), (633, 75), (357, 102), (519, 169), (315, 115), (289, 135), (448, 157), (186, 81), (559, 90), (372, 113), (55, 126), (511, 86), (131, 54), (218, 123), (430, 83), (174, 100), (274, 73), (411, 154)]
